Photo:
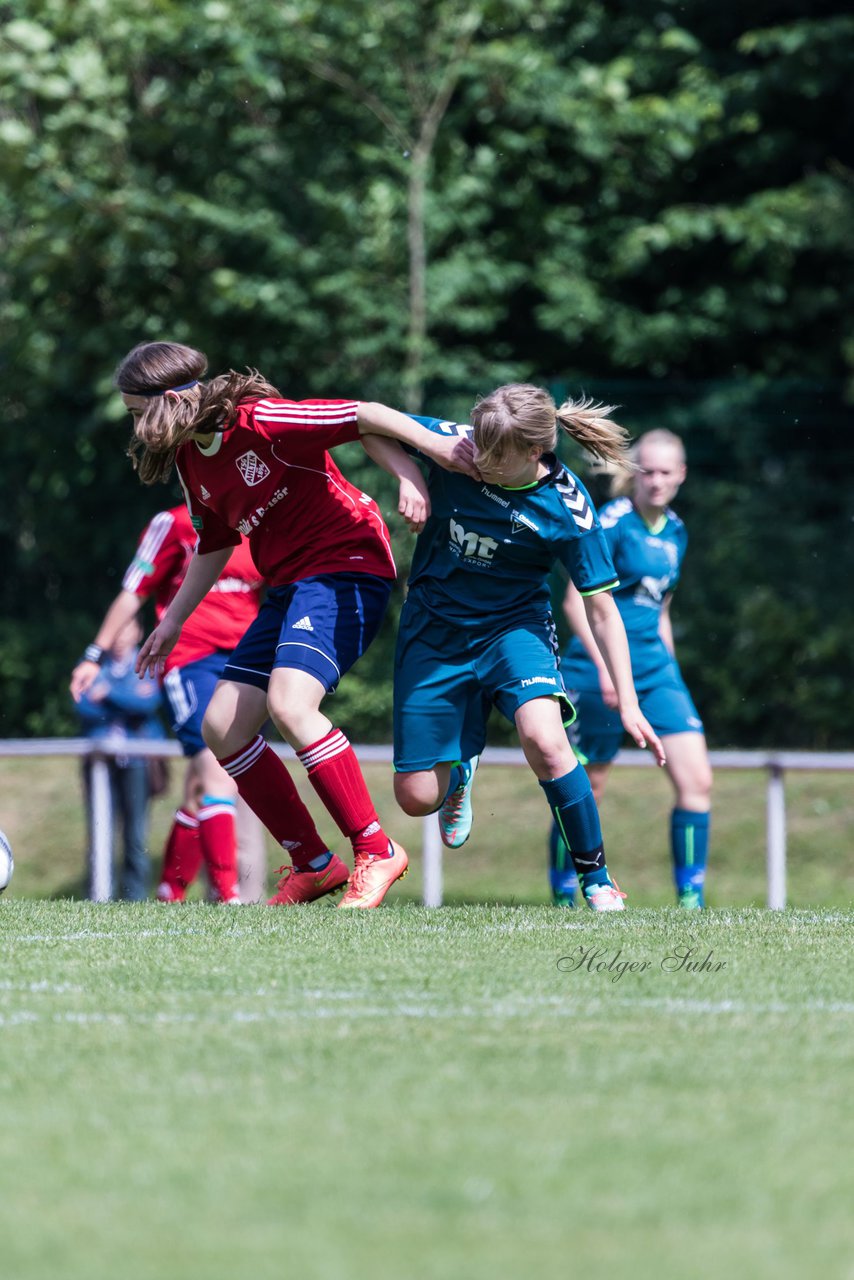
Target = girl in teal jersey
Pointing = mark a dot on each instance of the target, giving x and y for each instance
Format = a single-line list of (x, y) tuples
[(647, 541), (476, 629)]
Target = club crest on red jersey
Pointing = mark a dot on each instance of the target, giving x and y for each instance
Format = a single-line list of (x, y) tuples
[(252, 468)]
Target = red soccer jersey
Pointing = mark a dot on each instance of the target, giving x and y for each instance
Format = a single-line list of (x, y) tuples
[(157, 570), (269, 476)]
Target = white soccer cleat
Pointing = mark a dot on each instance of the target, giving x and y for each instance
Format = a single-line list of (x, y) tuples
[(604, 897)]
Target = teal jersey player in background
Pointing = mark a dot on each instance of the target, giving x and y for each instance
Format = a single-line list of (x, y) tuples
[(477, 630), (647, 541)]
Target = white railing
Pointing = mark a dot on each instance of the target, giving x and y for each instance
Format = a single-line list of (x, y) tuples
[(776, 763)]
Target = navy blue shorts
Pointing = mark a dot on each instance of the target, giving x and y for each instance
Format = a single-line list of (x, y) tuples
[(597, 734), (188, 691), (321, 625), (446, 682)]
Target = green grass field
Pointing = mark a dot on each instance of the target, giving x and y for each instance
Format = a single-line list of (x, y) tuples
[(210, 1093), (489, 1090)]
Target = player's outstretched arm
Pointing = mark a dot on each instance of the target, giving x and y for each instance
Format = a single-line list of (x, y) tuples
[(610, 635), (450, 452), (202, 573), (123, 610), (413, 496), (576, 616)]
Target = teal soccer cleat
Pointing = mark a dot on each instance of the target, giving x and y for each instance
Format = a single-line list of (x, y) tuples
[(690, 899), (455, 815)]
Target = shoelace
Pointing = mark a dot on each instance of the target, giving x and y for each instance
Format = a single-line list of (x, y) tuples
[(298, 871), (285, 872), (294, 871), (362, 865), (454, 803), (613, 890)]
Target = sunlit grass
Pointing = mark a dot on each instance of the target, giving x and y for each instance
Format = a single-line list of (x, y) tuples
[(478, 1092)]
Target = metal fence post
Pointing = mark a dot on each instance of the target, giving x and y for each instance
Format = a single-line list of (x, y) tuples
[(776, 838), (432, 861), (100, 831)]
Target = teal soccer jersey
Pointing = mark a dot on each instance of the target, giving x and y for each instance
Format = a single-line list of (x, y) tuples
[(476, 630), (485, 553), (648, 561)]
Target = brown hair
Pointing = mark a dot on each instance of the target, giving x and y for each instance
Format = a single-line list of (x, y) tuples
[(520, 417), (154, 368), (622, 482)]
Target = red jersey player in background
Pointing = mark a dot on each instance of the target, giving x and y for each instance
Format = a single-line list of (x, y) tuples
[(203, 829), (252, 462)]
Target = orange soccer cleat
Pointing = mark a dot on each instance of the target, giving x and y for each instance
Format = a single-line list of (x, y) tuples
[(309, 884), (373, 877)]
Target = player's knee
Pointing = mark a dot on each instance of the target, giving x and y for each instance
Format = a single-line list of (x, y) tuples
[(695, 791), (702, 783), (549, 755), (291, 713), (216, 727), (212, 735), (414, 796)]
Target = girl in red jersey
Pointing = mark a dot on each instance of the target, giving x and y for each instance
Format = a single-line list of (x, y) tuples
[(203, 829), (255, 463)]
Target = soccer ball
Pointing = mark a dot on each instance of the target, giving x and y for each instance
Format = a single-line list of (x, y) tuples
[(7, 862)]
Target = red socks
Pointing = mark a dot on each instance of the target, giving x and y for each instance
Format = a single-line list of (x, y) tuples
[(335, 774), (208, 838), (182, 858), (267, 787), (218, 839)]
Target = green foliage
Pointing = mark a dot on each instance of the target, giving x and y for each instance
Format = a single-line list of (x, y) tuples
[(759, 617), (656, 194)]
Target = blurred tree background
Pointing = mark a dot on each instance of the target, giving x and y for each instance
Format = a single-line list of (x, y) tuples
[(416, 202)]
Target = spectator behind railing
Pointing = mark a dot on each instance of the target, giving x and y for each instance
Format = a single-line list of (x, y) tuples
[(120, 705)]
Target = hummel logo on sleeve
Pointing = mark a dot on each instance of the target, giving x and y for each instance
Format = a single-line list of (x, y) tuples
[(304, 624)]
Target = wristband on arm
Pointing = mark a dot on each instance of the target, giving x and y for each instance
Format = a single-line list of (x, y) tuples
[(93, 653)]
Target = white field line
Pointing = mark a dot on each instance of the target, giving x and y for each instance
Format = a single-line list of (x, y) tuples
[(555, 1006), (444, 921)]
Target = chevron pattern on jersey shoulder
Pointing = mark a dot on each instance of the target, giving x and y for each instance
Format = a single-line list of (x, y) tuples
[(575, 501)]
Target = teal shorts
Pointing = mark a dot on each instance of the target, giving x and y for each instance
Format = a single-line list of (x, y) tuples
[(597, 734), (447, 680)]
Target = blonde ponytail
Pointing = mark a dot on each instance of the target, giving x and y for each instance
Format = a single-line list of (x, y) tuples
[(522, 416), (591, 426)]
